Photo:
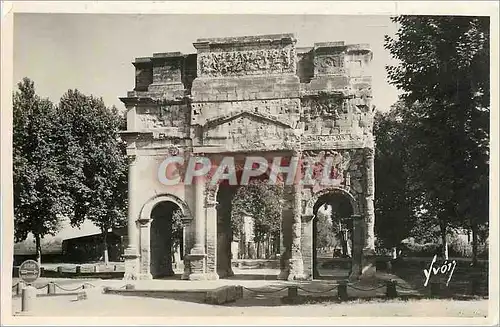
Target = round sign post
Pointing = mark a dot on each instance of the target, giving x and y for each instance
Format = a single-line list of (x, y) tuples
[(29, 271)]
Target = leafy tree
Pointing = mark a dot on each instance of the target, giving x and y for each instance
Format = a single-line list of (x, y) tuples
[(393, 199), (177, 231), (39, 197), (95, 160), (444, 76), (261, 201), (326, 231)]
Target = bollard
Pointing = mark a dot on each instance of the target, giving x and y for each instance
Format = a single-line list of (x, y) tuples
[(435, 289), (388, 266), (391, 291), (78, 269), (28, 299), (51, 288), (130, 287), (81, 296), (20, 286), (293, 291), (342, 290), (475, 286)]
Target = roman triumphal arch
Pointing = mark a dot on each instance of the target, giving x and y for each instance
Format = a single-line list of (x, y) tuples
[(249, 96)]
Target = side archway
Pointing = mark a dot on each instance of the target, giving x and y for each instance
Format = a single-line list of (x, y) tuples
[(310, 210), (158, 250), (151, 203), (343, 206)]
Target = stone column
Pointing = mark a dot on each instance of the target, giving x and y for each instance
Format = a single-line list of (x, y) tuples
[(131, 253), (357, 248), (370, 195), (199, 245), (145, 260), (211, 235), (368, 261), (186, 232), (198, 255), (295, 263)]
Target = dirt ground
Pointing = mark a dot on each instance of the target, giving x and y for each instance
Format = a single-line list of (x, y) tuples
[(254, 303), (120, 306)]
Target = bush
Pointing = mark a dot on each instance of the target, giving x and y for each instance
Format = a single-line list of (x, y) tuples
[(459, 247), (420, 250)]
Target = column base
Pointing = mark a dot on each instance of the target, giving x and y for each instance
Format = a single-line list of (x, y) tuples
[(296, 269), (131, 264), (198, 276), (197, 265), (283, 275), (146, 276), (368, 264), (212, 276)]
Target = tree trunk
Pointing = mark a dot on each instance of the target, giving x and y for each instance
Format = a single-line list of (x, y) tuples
[(474, 244), (444, 240), (105, 245), (38, 249), (394, 252), (181, 249)]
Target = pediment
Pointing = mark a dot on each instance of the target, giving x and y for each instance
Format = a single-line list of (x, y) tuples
[(247, 131), (252, 116)]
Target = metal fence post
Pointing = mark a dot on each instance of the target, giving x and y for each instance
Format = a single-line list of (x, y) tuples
[(51, 288), (391, 291), (342, 290), (435, 288), (19, 288)]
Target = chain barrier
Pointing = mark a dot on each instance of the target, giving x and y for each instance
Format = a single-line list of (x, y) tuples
[(59, 286), (318, 292), (410, 288), (265, 292), (68, 290), (366, 290)]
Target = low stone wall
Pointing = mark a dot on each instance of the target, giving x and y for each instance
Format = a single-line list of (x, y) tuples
[(256, 264), (224, 294)]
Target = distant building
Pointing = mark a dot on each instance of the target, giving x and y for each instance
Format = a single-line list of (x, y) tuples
[(73, 244)]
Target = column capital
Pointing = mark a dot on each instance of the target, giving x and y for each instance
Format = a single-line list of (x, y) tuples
[(369, 152), (132, 159), (143, 222)]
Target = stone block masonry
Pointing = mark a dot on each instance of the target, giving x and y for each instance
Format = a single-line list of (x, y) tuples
[(249, 96)]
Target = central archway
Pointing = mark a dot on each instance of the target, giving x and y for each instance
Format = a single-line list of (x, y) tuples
[(237, 244)]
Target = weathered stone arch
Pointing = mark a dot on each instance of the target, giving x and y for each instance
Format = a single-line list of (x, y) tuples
[(151, 203), (309, 209)]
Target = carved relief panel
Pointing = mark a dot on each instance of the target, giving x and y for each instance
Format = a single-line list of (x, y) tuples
[(163, 116), (248, 62), (343, 168), (332, 64), (167, 71)]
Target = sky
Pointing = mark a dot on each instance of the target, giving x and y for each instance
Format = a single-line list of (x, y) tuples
[(94, 52)]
